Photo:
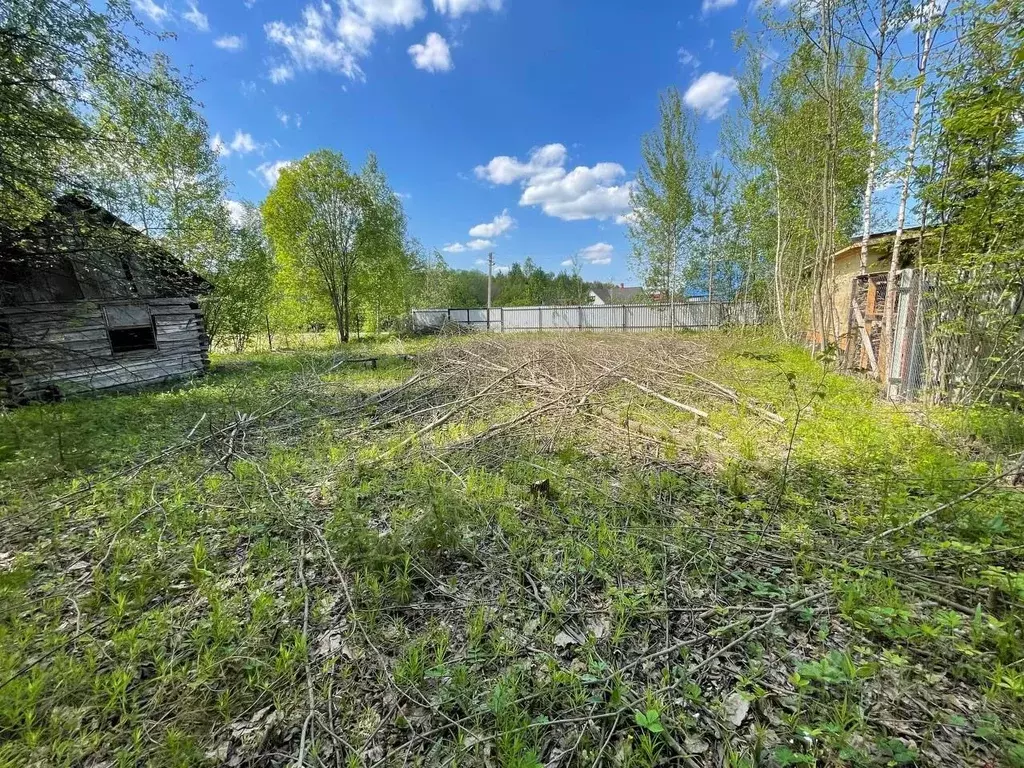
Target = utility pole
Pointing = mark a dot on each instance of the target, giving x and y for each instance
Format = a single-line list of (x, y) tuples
[(490, 272)]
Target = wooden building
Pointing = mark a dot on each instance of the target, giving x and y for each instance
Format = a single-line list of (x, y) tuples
[(89, 303), (869, 290)]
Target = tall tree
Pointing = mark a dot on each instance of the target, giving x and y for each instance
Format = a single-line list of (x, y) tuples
[(795, 191), (313, 215), (383, 255), (243, 282), (58, 63), (876, 20), (928, 21), (974, 199), (661, 199), (161, 175), (342, 230), (712, 227)]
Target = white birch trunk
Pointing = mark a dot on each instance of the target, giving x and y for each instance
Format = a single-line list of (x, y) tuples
[(901, 216), (779, 301)]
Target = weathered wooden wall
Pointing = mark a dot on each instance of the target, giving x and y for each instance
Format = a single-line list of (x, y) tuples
[(67, 347)]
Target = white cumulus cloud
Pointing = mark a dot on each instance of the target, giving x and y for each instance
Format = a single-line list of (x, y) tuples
[(336, 41), (270, 171), (197, 18), (710, 94), (687, 59), (503, 169), (498, 225), (281, 74), (238, 213), (472, 245), (230, 43), (243, 144), (432, 54), (456, 8), (218, 146), (599, 192), (598, 253), (157, 13), (710, 6)]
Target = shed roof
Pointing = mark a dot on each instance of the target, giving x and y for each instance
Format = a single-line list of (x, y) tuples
[(80, 230), (877, 238)]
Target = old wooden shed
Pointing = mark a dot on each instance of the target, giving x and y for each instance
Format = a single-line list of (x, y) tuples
[(88, 303)]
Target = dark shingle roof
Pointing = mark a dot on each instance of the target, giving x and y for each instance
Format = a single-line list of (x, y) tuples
[(619, 294)]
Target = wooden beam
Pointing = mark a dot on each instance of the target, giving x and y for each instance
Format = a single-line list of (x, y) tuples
[(865, 339)]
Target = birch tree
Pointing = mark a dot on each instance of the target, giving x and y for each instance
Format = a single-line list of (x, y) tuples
[(661, 199), (877, 20), (928, 22)]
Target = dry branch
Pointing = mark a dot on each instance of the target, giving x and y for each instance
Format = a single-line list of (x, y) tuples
[(683, 406)]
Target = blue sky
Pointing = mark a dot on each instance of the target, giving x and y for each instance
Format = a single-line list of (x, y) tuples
[(506, 125)]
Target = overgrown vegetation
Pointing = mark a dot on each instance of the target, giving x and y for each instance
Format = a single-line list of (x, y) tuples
[(515, 552)]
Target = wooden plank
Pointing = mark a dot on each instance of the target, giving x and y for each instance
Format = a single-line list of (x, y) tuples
[(189, 327), (56, 338), (115, 374), (94, 317), (57, 363), (107, 384), (177, 336), (865, 339), (69, 309)]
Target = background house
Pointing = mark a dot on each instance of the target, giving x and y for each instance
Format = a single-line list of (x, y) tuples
[(616, 294), (87, 302)]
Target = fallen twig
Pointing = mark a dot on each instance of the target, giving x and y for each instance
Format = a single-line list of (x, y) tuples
[(688, 408)]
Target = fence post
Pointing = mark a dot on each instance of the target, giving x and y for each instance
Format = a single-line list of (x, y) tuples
[(540, 319), (579, 318), (501, 315)]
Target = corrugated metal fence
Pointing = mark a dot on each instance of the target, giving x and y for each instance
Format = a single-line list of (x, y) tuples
[(907, 374), (590, 317)]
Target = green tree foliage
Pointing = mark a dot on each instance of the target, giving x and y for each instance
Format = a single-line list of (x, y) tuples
[(76, 90), (796, 195), (160, 173), (342, 232), (243, 282), (708, 264), (385, 258), (84, 109), (521, 285), (974, 199), (52, 57), (662, 199)]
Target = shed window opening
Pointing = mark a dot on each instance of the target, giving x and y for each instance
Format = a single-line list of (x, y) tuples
[(130, 328), (132, 339)]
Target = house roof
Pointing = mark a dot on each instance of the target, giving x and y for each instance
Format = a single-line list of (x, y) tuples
[(877, 238), (616, 294), (81, 230)]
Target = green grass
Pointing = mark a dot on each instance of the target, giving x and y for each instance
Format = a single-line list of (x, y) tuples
[(439, 605)]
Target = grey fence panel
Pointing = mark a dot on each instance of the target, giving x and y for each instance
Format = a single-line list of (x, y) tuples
[(520, 319), (425, 319), (592, 317)]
